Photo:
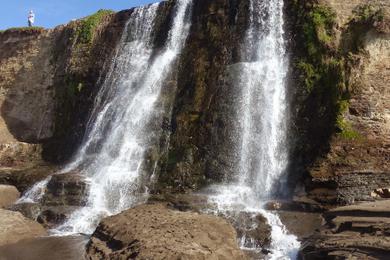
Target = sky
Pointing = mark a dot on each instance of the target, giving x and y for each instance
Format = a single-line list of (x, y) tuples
[(50, 13)]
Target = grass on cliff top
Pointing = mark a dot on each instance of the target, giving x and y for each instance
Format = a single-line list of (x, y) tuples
[(23, 29), (86, 29)]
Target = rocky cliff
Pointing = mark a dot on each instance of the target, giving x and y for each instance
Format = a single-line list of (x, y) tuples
[(338, 86), (48, 81), (341, 101)]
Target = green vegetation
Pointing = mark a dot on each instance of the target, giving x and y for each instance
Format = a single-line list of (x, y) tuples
[(322, 71), (344, 127), (318, 29), (87, 27), (33, 28)]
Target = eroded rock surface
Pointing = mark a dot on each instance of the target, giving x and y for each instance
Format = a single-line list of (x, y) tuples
[(352, 232), (156, 232)]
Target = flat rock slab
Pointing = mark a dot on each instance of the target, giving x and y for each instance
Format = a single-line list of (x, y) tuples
[(157, 232), (375, 209), (359, 231), (8, 195), (15, 227), (301, 224)]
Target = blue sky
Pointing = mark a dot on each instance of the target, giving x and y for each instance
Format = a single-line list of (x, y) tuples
[(50, 13)]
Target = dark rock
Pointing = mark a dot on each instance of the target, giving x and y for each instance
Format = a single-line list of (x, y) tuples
[(183, 202), (302, 204), (29, 210), (68, 189), (252, 228), (23, 179), (51, 217)]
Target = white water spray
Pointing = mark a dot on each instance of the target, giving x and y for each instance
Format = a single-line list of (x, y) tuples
[(119, 134), (263, 120)]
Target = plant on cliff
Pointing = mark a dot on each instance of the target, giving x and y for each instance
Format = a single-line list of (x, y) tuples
[(24, 29), (322, 71), (86, 29)]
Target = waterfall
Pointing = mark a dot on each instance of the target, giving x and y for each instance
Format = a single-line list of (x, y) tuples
[(262, 116), (120, 130)]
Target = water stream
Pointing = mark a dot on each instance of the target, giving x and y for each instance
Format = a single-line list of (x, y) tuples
[(263, 122), (120, 132)]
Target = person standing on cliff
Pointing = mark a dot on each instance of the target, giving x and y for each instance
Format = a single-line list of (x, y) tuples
[(31, 18)]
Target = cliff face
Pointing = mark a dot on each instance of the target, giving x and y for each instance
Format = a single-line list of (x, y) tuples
[(203, 110), (341, 99), (339, 92), (338, 85), (48, 80)]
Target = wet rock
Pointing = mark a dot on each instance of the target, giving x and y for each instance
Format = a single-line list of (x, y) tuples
[(301, 224), (25, 178), (15, 227), (51, 217), (252, 228), (69, 189), (29, 210), (358, 231), (8, 195), (46, 248), (183, 202), (302, 204), (156, 232)]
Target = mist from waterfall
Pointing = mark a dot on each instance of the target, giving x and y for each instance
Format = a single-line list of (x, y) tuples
[(262, 116), (120, 130)]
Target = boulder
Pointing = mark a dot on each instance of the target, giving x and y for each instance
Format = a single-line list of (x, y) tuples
[(8, 195), (68, 189), (15, 227), (157, 232)]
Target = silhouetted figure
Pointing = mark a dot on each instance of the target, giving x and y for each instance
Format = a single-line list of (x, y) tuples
[(31, 18)]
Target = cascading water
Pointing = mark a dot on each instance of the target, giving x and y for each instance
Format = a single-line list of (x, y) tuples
[(262, 112), (118, 136)]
